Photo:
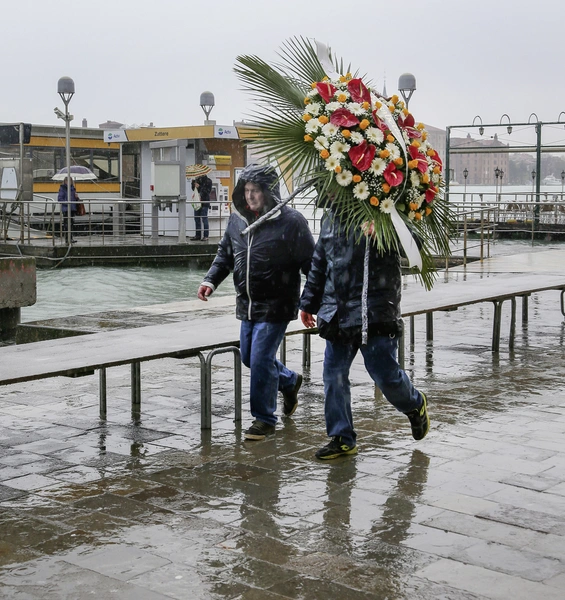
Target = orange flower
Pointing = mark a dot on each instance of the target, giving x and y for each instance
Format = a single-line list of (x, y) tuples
[(324, 154), (394, 99), (425, 178), (398, 161), (348, 76), (306, 117), (418, 216), (424, 135), (378, 105), (323, 119), (337, 169), (313, 85), (346, 133), (420, 126), (413, 164), (415, 143), (391, 108), (325, 78), (306, 100), (342, 98), (308, 138), (390, 138), (384, 153), (374, 201), (342, 78), (356, 178), (428, 211), (386, 188), (413, 206), (364, 123), (365, 105), (430, 152), (437, 170), (405, 112)]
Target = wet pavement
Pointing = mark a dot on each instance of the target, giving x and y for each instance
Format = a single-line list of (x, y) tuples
[(151, 507)]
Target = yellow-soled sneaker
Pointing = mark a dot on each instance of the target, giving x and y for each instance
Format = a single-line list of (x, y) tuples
[(335, 449), (420, 420)]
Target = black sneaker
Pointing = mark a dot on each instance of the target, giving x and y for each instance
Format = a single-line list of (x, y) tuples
[(259, 431), (334, 449), (420, 420), (291, 398)]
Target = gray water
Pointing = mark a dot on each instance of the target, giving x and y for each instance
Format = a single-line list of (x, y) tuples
[(82, 290)]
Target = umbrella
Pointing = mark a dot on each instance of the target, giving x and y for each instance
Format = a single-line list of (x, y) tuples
[(197, 170), (78, 173)]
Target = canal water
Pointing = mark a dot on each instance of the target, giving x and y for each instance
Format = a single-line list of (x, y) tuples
[(82, 290)]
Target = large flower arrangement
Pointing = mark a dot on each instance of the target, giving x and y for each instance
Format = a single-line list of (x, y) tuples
[(364, 152)]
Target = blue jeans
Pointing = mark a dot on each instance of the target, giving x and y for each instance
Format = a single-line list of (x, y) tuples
[(259, 343), (201, 220), (381, 364)]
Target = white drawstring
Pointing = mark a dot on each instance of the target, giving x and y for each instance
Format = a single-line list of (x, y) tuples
[(365, 293)]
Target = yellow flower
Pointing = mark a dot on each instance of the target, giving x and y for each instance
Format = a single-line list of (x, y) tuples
[(313, 85), (425, 178), (306, 117), (306, 100), (323, 119), (430, 152), (346, 133), (386, 188), (384, 153), (342, 78), (415, 143), (364, 123), (356, 178), (365, 105), (405, 112), (418, 216), (437, 170), (308, 138), (390, 138), (413, 164), (420, 126), (342, 98), (324, 154), (428, 211), (374, 201), (425, 135), (391, 108), (378, 105), (398, 161), (337, 169), (394, 99), (325, 78), (348, 76)]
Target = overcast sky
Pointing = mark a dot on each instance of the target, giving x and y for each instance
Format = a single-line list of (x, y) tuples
[(142, 61)]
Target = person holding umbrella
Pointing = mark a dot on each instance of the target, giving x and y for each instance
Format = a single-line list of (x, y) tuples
[(201, 186), (62, 197)]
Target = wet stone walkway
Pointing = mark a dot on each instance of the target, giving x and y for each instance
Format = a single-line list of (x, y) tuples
[(152, 508)]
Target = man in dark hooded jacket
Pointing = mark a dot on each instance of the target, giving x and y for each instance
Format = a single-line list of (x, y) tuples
[(334, 292), (266, 264)]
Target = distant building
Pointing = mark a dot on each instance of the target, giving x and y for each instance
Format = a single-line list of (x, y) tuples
[(480, 158)]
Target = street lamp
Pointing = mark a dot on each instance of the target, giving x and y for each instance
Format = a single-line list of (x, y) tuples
[(481, 128), (465, 175), (533, 179), (562, 183), (66, 89), (509, 127), (407, 86), (207, 103)]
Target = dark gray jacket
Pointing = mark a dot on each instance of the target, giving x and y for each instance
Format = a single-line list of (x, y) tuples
[(335, 282), (267, 261)]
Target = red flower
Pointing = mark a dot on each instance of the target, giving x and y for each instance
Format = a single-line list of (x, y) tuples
[(380, 124), (362, 155), (415, 154), (343, 118), (430, 193), (408, 125), (326, 90), (435, 157), (358, 91), (392, 175)]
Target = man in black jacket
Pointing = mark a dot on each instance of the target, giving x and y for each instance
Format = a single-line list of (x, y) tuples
[(266, 264), (334, 291), (204, 186)]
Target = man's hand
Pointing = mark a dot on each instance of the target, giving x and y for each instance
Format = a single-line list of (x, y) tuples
[(307, 319), (203, 292)]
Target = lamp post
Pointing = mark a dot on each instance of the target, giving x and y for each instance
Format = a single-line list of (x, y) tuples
[(496, 190), (465, 175), (562, 183), (407, 86), (66, 89)]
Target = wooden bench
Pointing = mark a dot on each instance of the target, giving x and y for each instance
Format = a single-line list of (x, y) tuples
[(82, 355)]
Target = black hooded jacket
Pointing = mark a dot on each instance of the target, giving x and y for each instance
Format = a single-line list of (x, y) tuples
[(267, 261), (334, 287)]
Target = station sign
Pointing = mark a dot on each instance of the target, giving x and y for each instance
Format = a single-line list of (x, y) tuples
[(226, 131), (115, 135)]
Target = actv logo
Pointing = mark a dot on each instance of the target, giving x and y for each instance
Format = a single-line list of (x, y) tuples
[(222, 131)]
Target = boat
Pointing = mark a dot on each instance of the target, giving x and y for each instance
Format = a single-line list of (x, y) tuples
[(551, 180)]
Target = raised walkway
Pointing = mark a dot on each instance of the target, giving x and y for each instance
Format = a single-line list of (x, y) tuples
[(149, 507)]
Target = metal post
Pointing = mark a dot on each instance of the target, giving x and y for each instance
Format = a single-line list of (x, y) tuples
[(102, 385), (538, 172), (21, 183)]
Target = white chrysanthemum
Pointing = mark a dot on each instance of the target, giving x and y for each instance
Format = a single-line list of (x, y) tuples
[(312, 126), (314, 108), (339, 148), (331, 106), (414, 179), (436, 178), (330, 130), (377, 166), (375, 135), (411, 215), (344, 178), (356, 137), (343, 93), (394, 151), (355, 108), (312, 93), (406, 137), (361, 191), (386, 205), (321, 142), (332, 162)]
